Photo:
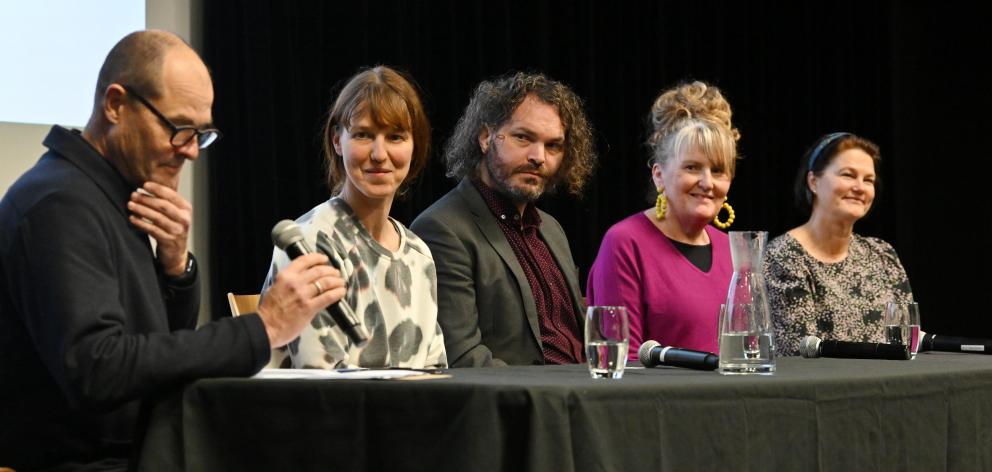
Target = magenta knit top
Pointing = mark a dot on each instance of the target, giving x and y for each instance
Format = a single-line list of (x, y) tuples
[(668, 298)]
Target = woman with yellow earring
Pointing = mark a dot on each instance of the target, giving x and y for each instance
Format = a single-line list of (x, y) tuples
[(668, 265)]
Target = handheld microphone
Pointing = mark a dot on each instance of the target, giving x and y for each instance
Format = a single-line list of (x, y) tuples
[(652, 354), (932, 342), (812, 347), (286, 235)]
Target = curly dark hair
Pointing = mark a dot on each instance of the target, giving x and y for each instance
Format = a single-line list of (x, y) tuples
[(492, 105)]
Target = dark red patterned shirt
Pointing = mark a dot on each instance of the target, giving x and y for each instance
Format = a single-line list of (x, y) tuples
[(561, 336)]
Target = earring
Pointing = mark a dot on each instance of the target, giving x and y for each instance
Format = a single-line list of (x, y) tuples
[(730, 217), (661, 205)]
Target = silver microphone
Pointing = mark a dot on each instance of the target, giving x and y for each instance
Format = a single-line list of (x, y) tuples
[(288, 236)]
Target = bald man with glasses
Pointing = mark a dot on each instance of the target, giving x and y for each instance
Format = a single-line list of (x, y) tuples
[(94, 317)]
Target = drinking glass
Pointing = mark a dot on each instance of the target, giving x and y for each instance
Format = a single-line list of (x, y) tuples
[(902, 325), (607, 337)]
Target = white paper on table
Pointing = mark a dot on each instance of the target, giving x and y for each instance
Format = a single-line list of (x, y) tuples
[(353, 374)]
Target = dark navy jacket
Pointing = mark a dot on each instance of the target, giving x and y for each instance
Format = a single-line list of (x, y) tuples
[(89, 324)]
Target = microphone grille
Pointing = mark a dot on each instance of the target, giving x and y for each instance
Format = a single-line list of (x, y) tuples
[(644, 352), (810, 347), (286, 232)]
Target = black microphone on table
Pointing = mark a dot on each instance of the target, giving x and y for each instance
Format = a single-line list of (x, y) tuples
[(286, 235), (933, 342), (812, 346), (652, 354)]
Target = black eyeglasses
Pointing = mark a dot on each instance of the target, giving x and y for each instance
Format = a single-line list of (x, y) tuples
[(181, 135)]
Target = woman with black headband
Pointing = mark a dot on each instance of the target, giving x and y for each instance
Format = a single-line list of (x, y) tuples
[(823, 279)]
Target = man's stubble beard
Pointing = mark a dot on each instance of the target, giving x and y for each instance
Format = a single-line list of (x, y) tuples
[(501, 181)]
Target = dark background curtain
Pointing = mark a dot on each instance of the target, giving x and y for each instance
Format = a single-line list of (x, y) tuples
[(908, 77)]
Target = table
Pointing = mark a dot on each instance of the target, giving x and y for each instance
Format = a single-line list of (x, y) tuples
[(933, 413)]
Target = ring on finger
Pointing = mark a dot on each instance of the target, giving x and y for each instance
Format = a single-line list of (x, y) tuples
[(320, 289)]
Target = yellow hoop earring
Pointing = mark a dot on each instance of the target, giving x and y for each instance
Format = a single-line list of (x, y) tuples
[(730, 217), (661, 205)]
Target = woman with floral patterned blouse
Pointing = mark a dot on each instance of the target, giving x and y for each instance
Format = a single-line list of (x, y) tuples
[(823, 279)]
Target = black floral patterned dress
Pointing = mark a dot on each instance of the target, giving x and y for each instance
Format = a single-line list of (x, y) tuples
[(837, 300)]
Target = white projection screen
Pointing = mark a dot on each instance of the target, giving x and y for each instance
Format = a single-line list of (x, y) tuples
[(54, 49)]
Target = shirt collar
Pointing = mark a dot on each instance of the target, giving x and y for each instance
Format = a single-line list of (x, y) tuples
[(70, 144), (504, 209)]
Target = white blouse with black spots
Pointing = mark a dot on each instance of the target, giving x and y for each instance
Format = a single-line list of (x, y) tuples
[(394, 294)]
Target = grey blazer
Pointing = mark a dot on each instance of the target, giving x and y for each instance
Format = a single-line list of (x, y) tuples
[(485, 306)]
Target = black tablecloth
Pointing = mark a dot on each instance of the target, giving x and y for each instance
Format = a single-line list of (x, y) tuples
[(930, 414)]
